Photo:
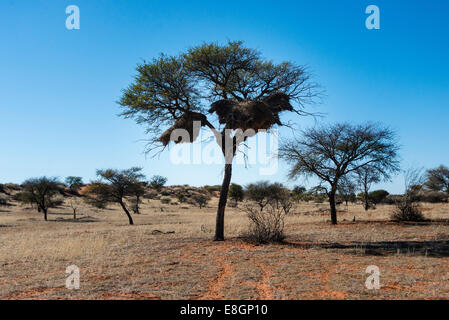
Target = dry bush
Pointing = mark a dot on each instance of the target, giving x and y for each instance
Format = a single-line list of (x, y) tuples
[(165, 200), (407, 210), (266, 224), (4, 200)]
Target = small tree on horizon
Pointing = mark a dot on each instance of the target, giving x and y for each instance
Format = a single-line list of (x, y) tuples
[(346, 189), (236, 192), (41, 192), (115, 185), (74, 184), (334, 151), (366, 177), (438, 179), (157, 182)]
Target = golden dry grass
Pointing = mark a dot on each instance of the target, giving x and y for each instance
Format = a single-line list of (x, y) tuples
[(318, 261)]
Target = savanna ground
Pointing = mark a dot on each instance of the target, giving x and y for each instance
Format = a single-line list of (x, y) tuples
[(169, 255)]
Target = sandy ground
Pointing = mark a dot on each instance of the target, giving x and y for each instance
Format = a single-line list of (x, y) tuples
[(169, 255)]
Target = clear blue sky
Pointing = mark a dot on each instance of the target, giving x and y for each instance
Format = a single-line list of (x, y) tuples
[(58, 88)]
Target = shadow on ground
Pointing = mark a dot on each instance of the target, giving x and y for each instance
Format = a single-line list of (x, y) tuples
[(437, 248)]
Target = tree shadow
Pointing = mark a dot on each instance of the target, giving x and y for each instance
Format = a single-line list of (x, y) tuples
[(77, 220), (434, 248)]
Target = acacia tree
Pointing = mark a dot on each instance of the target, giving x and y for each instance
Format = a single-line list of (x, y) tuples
[(231, 81), (366, 176), (41, 192), (334, 151), (438, 179), (115, 185), (346, 189), (74, 183)]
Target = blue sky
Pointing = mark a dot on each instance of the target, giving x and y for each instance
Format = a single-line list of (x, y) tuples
[(59, 87)]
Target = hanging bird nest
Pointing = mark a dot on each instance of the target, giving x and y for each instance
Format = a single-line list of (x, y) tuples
[(184, 122), (254, 115)]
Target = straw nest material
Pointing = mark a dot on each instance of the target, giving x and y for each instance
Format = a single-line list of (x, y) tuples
[(254, 115), (184, 122)]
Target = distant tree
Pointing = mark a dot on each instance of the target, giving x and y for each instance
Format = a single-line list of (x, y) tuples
[(438, 179), (378, 196), (346, 189), (407, 207), (157, 182), (236, 192), (235, 83), (41, 192), (366, 176), (200, 199), (138, 193), (334, 151), (298, 190), (74, 183), (264, 192), (75, 203), (115, 185)]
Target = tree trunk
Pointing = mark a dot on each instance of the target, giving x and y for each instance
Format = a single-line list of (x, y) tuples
[(74, 214), (45, 213), (136, 209), (219, 227), (366, 202), (127, 213), (333, 207)]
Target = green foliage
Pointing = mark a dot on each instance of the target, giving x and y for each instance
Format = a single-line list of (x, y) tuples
[(41, 192), (114, 185), (236, 192), (438, 179), (4, 200), (200, 200), (298, 191), (165, 200), (74, 183), (157, 182), (212, 189), (378, 196)]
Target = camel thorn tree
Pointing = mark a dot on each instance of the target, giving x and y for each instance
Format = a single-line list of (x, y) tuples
[(332, 152), (230, 82)]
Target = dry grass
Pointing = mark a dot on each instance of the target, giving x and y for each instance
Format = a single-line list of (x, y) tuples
[(318, 261)]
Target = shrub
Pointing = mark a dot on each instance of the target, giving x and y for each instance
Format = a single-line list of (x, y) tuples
[(212, 189), (4, 200), (200, 200), (265, 225), (377, 196), (165, 200), (432, 196), (407, 210), (165, 193), (236, 192), (181, 197)]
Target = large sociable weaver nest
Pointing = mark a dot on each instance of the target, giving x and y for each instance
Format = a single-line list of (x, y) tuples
[(256, 115)]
